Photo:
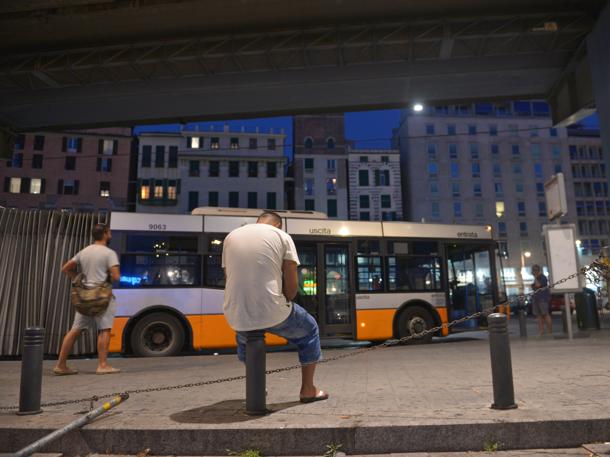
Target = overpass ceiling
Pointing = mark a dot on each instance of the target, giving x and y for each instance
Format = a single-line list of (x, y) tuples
[(53, 49)]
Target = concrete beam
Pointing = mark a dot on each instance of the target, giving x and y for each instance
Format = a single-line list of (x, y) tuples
[(571, 97), (349, 88)]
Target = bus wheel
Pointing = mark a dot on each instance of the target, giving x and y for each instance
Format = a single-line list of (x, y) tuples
[(157, 335), (415, 319)]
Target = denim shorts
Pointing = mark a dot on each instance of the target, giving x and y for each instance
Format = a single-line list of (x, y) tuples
[(300, 329)]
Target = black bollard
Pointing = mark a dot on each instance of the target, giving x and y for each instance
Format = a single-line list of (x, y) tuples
[(31, 371), (256, 403), (522, 323), (501, 365)]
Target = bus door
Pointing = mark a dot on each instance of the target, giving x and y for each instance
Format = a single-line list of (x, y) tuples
[(470, 279), (324, 286)]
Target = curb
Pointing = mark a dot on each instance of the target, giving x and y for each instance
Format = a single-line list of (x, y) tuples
[(313, 441)]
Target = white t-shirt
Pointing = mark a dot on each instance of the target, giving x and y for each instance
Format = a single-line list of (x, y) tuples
[(252, 257), (95, 261)]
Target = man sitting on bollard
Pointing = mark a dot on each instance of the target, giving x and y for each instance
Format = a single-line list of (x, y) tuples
[(98, 262), (260, 262)]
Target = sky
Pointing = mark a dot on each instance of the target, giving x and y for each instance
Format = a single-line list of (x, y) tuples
[(369, 129)]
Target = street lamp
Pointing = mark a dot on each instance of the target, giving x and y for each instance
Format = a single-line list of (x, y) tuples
[(524, 255), (418, 107)]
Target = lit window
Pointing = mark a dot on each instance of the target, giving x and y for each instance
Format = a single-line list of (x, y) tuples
[(104, 189), (171, 190), (499, 209), (331, 186), (108, 147), (145, 191), (15, 187), (234, 143), (158, 190), (214, 143), (195, 142), (35, 185)]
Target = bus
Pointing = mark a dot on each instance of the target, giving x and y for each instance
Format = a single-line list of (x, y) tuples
[(361, 280)]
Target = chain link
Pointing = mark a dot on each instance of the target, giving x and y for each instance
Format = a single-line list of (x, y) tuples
[(596, 271)]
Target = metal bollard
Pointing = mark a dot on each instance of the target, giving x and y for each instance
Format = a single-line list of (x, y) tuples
[(522, 323), (501, 366), (31, 371), (256, 403)]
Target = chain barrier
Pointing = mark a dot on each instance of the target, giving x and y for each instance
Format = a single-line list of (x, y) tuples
[(595, 272)]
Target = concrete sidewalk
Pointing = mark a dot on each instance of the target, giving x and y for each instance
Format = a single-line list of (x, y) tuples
[(429, 398)]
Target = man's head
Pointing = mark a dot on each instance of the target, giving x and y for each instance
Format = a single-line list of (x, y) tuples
[(101, 232), (270, 218), (536, 270)]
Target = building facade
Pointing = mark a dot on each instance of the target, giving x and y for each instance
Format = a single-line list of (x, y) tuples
[(486, 164), (86, 170), (590, 187), (181, 171), (320, 164), (374, 184)]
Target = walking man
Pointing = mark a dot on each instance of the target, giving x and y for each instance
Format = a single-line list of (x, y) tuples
[(542, 300), (98, 262), (260, 262)]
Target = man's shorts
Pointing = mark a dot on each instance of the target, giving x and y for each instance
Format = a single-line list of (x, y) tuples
[(541, 307), (102, 322), (300, 329)]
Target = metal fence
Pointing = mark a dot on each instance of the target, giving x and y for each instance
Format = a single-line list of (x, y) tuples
[(33, 292)]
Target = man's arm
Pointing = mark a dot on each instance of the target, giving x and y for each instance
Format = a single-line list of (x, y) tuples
[(69, 269), (115, 273), (291, 281)]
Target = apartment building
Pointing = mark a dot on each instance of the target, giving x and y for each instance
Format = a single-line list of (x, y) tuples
[(85, 170), (375, 191), (320, 164), (181, 171), (485, 164)]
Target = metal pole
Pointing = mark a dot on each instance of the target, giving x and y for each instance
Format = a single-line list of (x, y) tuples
[(522, 322), (255, 373), (81, 421), (501, 365), (567, 308), (31, 371)]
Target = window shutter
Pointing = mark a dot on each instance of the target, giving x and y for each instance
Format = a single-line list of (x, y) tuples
[(100, 147), (99, 164), (76, 187), (188, 142), (64, 144), (115, 147), (79, 145), (7, 184), (109, 165), (178, 186), (43, 183), (377, 177), (60, 186)]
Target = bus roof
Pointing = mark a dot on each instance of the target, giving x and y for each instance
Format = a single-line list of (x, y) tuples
[(252, 212), (221, 222)]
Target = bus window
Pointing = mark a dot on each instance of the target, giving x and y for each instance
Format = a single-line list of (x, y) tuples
[(155, 270), (161, 243), (414, 273), (370, 273), (214, 275)]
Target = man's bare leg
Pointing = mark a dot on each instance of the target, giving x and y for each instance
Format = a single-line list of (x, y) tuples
[(540, 325), (66, 348), (308, 389), (103, 342), (549, 323)]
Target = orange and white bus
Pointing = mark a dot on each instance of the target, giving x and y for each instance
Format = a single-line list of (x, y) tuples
[(361, 280)]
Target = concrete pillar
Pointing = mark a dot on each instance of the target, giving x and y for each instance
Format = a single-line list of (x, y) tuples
[(598, 46)]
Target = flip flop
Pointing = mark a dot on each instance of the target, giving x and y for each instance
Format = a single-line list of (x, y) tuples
[(108, 371), (320, 397), (67, 372)]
